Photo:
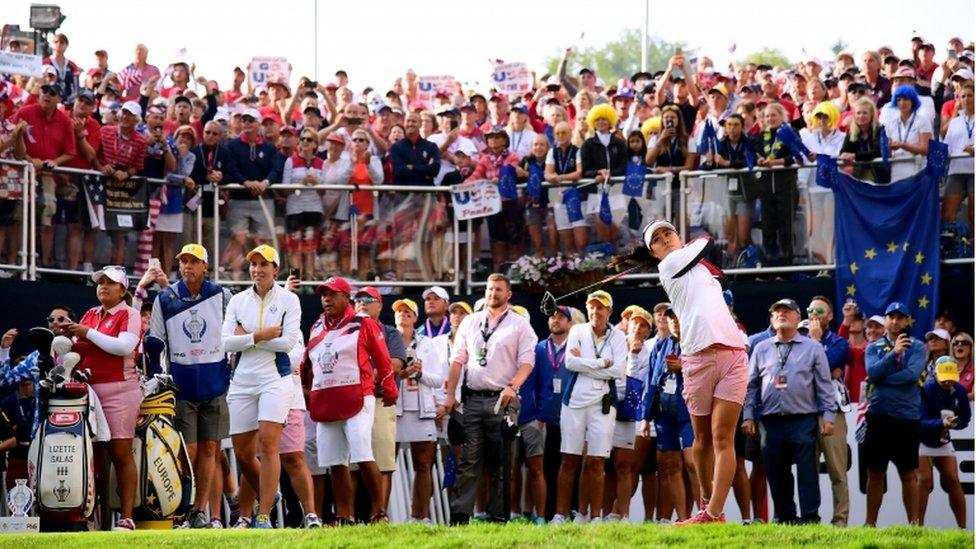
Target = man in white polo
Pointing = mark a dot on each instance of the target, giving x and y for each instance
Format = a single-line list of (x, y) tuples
[(596, 354)]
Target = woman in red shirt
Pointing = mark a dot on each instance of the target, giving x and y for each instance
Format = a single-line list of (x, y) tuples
[(106, 338), (367, 169)]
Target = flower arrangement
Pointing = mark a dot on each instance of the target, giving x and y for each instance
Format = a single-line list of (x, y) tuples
[(558, 274)]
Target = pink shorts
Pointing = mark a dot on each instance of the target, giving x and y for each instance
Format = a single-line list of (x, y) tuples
[(120, 402), (293, 435), (714, 373)]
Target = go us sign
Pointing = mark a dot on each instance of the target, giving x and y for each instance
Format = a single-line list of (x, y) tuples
[(475, 199), (269, 69)]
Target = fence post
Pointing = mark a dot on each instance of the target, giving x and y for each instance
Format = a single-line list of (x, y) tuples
[(30, 194), (682, 205)]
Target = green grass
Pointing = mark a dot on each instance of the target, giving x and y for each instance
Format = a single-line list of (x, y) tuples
[(489, 535)]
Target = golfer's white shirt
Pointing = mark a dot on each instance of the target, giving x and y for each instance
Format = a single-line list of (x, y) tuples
[(696, 298)]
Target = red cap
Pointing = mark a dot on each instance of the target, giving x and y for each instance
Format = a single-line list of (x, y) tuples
[(101, 53), (904, 72), (288, 129), (371, 291), (335, 284), (272, 116), (335, 138)]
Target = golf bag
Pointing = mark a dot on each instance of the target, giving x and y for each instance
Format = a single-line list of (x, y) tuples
[(60, 464), (164, 475)]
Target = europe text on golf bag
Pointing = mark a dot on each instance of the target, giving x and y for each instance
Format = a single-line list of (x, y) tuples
[(60, 464)]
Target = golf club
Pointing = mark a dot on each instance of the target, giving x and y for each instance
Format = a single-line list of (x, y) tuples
[(548, 305)]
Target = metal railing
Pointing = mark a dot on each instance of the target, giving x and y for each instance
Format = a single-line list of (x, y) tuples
[(462, 276)]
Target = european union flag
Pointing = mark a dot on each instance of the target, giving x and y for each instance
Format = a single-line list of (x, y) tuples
[(887, 239)]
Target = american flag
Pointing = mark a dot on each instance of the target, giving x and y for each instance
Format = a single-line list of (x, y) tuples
[(129, 77), (95, 193)]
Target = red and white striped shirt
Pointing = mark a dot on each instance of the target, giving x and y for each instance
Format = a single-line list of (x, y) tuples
[(122, 151)]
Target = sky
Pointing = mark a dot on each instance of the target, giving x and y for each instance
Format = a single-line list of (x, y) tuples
[(378, 41)]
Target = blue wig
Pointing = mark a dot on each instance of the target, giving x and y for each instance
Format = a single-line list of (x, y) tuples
[(906, 92)]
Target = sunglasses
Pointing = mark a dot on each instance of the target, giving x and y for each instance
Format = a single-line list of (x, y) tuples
[(961, 343), (53, 319), (364, 300), (306, 140), (359, 140), (211, 133), (816, 311)]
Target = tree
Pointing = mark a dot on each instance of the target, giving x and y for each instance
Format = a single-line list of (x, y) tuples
[(767, 56), (619, 58), (838, 47)]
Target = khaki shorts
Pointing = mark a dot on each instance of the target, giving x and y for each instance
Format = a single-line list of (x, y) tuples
[(201, 420), (384, 437)]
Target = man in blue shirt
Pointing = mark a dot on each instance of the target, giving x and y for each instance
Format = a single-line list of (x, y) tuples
[(820, 313), (550, 363), (894, 366), (790, 393), (416, 161)]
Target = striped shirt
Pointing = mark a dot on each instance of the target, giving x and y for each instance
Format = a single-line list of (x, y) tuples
[(122, 151)]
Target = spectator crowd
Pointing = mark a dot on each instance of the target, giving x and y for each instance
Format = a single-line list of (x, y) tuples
[(572, 132)]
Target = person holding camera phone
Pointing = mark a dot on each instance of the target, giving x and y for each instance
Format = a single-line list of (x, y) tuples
[(894, 363), (596, 354), (945, 408), (417, 405)]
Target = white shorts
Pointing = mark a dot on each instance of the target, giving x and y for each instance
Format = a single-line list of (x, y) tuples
[(561, 217), (410, 428), (248, 404), (618, 206), (347, 441), (939, 451), (624, 434), (587, 425)]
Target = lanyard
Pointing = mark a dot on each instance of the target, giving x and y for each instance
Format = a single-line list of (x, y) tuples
[(908, 132), (485, 332), (562, 162), (557, 357), (444, 327), (521, 134), (598, 352), (783, 357), (968, 121)]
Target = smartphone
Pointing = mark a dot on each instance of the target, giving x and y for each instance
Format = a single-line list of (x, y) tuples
[(294, 273), (951, 53), (668, 123), (154, 263), (354, 121), (454, 124)]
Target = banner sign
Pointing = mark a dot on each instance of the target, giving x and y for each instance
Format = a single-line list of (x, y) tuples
[(511, 78), (264, 70), (20, 63), (126, 204), (475, 199), (428, 86)]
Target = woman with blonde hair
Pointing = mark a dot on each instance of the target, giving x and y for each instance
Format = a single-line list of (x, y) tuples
[(367, 170), (863, 143), (821, 137), (303, 208), (777, 189)]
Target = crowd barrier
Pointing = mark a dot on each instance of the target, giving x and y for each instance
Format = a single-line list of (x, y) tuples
[(413, 241)]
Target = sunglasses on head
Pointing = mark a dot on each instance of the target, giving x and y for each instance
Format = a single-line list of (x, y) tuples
[(816, 311), (53, 319)]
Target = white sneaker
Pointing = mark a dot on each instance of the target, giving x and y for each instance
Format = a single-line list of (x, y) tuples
[(427, 521), (557, 519), (579, 518), (215, 523), (596, 520), (124, 525), (612, 517)]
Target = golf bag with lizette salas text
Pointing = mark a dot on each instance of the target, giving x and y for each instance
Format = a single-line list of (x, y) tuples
[(60, 463)]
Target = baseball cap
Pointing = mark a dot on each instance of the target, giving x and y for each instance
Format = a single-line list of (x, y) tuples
[(86, 94), (369, 291), (642, 313), (939, 333), (896, 307), (288, 129), (663, 306), (904, 72), (946, 369), (267, 252), (182, 99), (54, 88), (877, 319), (133, 108), (601, 297), (625, 314), (462, 304), (720, 89), (115, 273), (653, 228), (335, 138), (962, 74), (409, 303), (252, 112), (520, 107), (552, 83), (521, 311), (565, 311), (335, 284), (196, 251), (786, 302), (438, 291), (313, 110), (585, 70)]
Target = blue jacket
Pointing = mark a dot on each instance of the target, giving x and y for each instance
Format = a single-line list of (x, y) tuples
[(536, 392), (552, 406), (894, 381), (757, 338), (241, 167), (934, 400), (654, 396), (26, 369), (836, 348), (423, 159)]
